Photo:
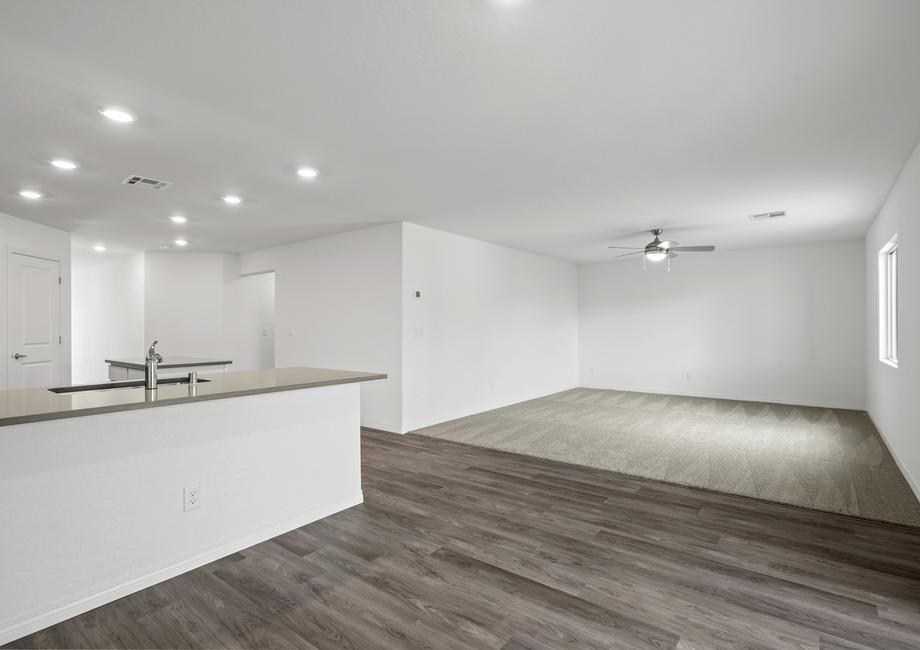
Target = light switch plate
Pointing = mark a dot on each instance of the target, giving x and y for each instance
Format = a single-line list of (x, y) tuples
[(191, 497)]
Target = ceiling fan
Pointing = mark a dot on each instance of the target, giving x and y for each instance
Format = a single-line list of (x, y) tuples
[(658, 250)]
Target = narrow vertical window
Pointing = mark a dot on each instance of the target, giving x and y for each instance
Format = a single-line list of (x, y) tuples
[(888, 303)]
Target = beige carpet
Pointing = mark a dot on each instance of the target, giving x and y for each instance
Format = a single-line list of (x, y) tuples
[(825, 459)]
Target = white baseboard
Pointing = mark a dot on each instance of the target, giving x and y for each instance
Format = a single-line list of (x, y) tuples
[(915, 488), (382, 426), (739, 398), (462, 413), (12, 630)]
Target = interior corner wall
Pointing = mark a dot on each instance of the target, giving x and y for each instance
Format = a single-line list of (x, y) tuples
[(107, 314), (778, 324), (337, 305), (196, 304), (893, 394), (493, 326), (25, 236)]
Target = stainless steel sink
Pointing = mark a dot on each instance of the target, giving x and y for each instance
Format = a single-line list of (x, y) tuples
[(122, 384)]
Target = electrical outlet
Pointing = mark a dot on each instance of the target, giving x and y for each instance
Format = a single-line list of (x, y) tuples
[(689, 377), (191, 497)]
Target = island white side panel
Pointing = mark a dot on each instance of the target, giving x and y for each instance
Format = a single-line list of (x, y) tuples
[(93, 506)]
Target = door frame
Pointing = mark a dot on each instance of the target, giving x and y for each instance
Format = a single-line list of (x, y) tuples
[(18, 250)]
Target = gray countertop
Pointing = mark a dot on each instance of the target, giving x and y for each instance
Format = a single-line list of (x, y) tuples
[(38, 404), (168, 362)]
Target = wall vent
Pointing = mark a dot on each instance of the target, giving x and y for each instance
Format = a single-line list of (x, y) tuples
[(143, 181), (766, 216)]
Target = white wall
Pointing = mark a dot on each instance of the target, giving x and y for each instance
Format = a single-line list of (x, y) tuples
[(780, 324), (183, 304), (337, 305), (196, 304), (249, 321), (108, 313), (499, 325), (893, 395), (25, 236), (494, 326)]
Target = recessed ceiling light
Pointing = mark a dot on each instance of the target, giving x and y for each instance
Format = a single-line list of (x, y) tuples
[(99, 248), (178, 218), (60, 163), (307, 172), (117, 114), (180, 242), (30, 194), (232, 199)]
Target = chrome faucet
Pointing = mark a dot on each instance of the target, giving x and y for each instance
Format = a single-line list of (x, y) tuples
[(150, 367)]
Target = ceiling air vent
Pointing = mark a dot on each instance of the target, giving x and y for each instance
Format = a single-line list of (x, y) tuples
[(766, 216), (143, 181)]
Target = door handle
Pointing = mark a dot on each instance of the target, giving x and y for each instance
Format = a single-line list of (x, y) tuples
[(18, 356)]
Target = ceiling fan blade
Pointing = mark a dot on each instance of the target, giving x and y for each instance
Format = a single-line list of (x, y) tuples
[(694, 249), (628, 248), (627, 254)]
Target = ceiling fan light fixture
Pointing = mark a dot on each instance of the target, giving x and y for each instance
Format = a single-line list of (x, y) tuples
[(659, 251)]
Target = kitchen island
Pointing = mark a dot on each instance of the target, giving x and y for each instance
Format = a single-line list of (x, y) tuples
[(107, 490)]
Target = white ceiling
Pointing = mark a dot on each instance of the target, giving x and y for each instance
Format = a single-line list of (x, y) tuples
[(557, 126)]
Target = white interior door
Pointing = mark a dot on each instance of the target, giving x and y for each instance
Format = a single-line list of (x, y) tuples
[(34, 322)]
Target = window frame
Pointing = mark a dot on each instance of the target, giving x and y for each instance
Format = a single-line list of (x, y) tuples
[(888, 302)]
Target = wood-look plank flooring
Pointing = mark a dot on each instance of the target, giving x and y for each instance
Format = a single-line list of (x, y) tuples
[(463, 547)]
